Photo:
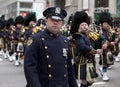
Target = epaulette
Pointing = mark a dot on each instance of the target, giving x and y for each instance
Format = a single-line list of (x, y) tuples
[(77, 34)]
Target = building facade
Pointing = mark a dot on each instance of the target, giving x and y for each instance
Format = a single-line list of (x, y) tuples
[(91, 6), (13, 8)]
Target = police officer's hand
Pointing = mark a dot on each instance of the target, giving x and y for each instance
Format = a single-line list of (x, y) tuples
[(99, 51)]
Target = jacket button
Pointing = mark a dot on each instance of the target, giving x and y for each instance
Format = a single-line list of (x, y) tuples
[(47, 56), (50, 75), (43, 39), (51, 34), (65, 75), (46, 47), (49, 66), (65, 66)]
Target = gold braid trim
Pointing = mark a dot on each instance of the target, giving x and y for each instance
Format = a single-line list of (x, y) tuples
[(93, 52), (81, 62), (78, 71), (73, 55), (93, 35)]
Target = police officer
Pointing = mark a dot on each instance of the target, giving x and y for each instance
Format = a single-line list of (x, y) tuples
[(47, 60), (85, 51)]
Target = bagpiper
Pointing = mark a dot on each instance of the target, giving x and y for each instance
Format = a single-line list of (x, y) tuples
[(85, 55), (10, 41), (9, 24), (2, 36), (30, 24), (106, 59), (19, 38)]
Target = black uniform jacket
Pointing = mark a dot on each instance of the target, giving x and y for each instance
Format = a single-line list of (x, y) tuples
[(47, 61), (83, 45)]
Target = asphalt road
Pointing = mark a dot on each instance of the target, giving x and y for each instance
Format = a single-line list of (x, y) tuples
[(12, 76), (114, 75)]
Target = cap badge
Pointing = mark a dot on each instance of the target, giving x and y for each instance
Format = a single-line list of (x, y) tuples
[(57, 10)]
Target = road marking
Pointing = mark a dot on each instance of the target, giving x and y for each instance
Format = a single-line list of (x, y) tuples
[(96, 83), (1, 59), (99, 83)]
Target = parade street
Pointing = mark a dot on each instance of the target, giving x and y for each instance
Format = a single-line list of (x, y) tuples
[(12, 76)]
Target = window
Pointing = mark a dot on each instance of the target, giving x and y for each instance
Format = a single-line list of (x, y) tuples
[(60, 3), (101, 3), (25, 5)]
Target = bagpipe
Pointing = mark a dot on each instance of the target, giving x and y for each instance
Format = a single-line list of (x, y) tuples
[(92, 74), (38, 29), (94, 31), (65, 30)]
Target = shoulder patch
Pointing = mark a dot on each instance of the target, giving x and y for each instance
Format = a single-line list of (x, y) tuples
[(29, 41)]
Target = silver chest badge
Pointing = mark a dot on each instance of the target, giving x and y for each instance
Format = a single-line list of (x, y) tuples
[(65, 52)]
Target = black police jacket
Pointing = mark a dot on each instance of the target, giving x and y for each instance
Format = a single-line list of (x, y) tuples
[(47, 61)]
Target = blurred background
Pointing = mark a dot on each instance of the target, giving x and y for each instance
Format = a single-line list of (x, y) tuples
[(13, 8)]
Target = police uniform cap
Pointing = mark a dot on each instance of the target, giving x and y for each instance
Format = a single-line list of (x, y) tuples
[(79, 17), (55, 13), (19, 20)]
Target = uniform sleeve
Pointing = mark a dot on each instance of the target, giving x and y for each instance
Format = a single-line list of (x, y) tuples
[(83, 47), (30, 64), (102, 39)]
